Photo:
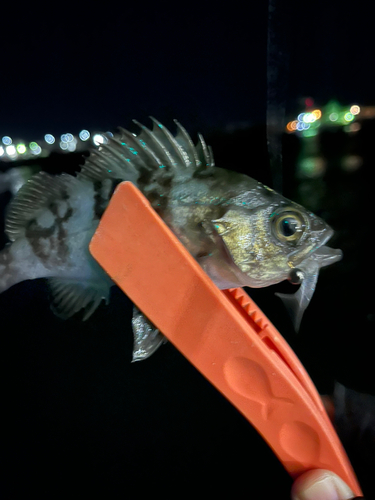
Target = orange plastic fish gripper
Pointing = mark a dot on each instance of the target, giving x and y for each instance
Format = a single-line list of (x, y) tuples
[(223, 334)]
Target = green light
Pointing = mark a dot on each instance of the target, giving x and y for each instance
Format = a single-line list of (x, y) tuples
[(21, 149), (349, 117), (309, 133), (33, 146)]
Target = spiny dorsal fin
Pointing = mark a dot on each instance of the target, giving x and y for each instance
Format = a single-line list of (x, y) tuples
[(126, 156), (33, 196), (69, 297)]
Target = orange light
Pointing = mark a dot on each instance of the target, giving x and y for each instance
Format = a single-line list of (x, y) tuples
[(317, 113)]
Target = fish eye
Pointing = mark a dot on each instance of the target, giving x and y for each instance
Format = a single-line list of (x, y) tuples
[(288, 225)]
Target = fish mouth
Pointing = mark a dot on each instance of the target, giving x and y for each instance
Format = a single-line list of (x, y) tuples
[(327, 255)]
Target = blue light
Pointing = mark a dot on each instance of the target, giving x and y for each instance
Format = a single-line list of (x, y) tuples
[(49, 138), (300, 126), (7, 140), (84, 135)]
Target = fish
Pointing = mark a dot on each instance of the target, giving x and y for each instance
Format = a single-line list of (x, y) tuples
[(14, 178), (241, 232)]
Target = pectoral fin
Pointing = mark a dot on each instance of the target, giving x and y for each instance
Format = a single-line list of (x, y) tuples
[(69, 296), (147, 338)]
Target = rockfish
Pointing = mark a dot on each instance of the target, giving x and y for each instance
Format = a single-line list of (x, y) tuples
[(241, 232)]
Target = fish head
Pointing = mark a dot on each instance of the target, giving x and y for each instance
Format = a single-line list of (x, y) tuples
[(273, 242), (266, 242)]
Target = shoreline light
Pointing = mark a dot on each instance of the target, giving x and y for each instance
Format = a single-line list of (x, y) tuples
[(84, 135), (49, 138), (7, 141)]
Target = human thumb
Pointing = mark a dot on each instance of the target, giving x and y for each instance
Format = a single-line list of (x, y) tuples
[(319, 484)]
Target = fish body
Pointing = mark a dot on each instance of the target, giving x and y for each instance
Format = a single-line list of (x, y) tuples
[(241, 232)]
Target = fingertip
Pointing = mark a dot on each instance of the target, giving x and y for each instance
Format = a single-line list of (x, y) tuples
[(320, 484)]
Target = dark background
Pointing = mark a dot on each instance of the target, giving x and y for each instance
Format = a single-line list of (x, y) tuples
[(83, 420)]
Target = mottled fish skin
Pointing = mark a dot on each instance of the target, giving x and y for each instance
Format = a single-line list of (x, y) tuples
[(241, 232)]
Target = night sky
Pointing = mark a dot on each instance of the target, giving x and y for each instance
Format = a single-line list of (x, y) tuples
[(81, 416), (204, 64)]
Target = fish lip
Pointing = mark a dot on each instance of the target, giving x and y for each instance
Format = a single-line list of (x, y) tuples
[(327, 255)]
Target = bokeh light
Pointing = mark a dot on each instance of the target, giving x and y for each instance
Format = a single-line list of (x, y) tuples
[(21, 149), (317, 113), (333, 117), (84, 135), (355, 110), (36, 150), (99, 139), (11, 150), (349, 117), (1, 151), (67, 137), (49, 138), (7, 140)]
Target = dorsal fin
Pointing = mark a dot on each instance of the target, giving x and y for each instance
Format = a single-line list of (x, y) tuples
[(33, 196), (126, 156)]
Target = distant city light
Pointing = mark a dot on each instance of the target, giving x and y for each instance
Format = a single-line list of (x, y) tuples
[(11, 150), (36, 150), (1, 150), (67, 137), (72, 145), (333, 117), (355, 110), (49, 138), (98, 139), (7, 140), (21, 149), (317, 113), (84, 135), (309, 118)]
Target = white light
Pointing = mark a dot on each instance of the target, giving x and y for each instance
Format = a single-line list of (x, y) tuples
[(37, 150), (11, 150), (1, 150), (355, 109), (63, 145), (99, 139), (49, 138), (7, 140), (84, 135), (69, 137), (72, 146), (333, 117)]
